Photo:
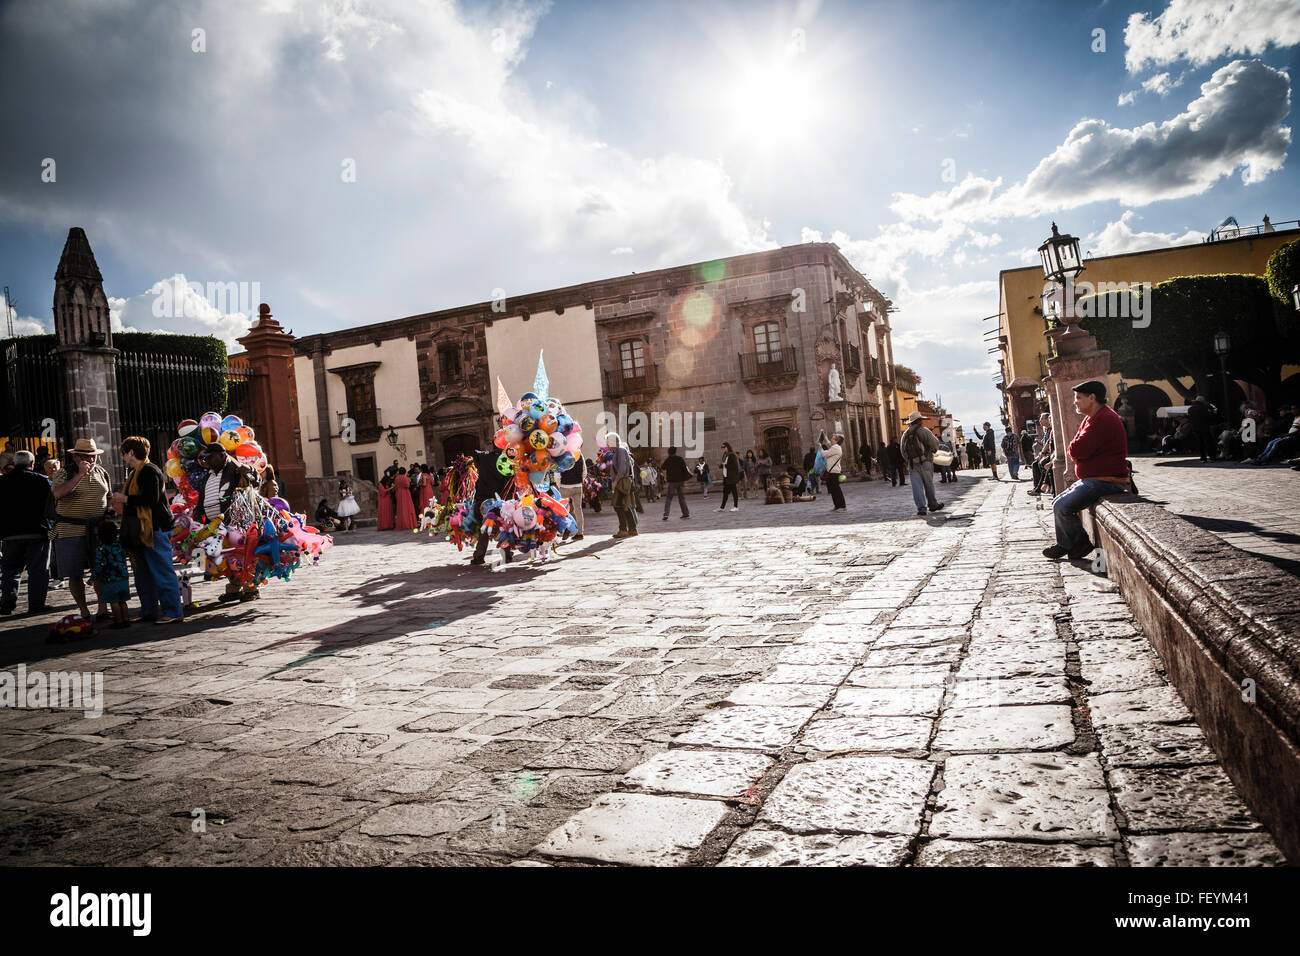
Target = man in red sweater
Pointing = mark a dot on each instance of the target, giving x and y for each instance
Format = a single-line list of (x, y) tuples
[(1099, 452)]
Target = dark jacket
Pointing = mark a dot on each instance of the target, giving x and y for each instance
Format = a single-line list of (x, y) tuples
[(809, 460), (1198, 413), (490, 481), (151, 494), (575, 474), (1026, 448), (230, 477), (24, 496), (675, 469), (895, 456), (731, 466)]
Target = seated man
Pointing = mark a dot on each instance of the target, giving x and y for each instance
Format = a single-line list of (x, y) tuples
[(1099, 451), (1281, 449)]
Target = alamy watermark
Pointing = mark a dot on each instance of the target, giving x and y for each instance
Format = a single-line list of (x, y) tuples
[(177, 299), (681, 430), (1121, 300), (71, 689)]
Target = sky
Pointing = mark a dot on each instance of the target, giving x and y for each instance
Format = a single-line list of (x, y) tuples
[(352, 162)]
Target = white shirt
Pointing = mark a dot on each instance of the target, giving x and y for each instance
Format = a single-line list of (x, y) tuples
[(212, 496)]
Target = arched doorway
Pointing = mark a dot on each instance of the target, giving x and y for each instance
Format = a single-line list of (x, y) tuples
[(1144, 400), (456, 445)]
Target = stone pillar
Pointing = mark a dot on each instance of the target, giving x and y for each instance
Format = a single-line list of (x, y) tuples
[(273, 404), (325, 426), (91, 376), (1078, 360)]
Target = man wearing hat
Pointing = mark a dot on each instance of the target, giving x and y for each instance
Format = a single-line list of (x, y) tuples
[(81, 488), (990, 448), (1099, 451), (26, 534), (918, 446)]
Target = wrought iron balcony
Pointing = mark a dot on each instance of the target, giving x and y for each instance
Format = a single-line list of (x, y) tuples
[(852, 358), (621, 383), (778, 368)]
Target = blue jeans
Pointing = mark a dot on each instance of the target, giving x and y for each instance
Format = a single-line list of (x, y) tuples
[(1066, 508), (923, 485), (675, 488), (1013, 465), (32, 554), (155, 579), (1278, 448)]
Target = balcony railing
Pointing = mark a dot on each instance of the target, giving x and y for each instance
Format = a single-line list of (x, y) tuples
[(853, 358), (769, 365), (622, 382)]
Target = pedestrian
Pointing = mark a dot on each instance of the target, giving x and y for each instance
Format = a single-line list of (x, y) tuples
[(990, 450), (703, 477), (147, 523), (1200, 419), (1042, 460), (620, 471), (895, 455), (1026, 444), (731, 476), (918, 446), (405, 504), (749, 465), (491, 482), (645, 473), (348, 508), (864, 454), (833, 453), (82, 489), (25, 531), (1283, 448), (571, 482), (1011, 448), (7, 458), (676, 474), (764, 467), (269, 488), (391, 471), (108, 571), (947, 473), (972, 454), (387, 508), (1099, 451), (49, 468), (886, 468), (217, 489)]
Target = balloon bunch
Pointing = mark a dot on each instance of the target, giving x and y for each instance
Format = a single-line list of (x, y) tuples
[(456, 485), (537, 437), (527, 523), (258, 538), (184, 458)]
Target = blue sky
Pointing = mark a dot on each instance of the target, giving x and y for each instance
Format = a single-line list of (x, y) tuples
[(526, 146)]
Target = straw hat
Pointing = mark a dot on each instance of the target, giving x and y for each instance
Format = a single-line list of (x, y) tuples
[(86, 446)]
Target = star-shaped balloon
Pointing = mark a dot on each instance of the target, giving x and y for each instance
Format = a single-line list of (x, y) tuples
[(271, 545)]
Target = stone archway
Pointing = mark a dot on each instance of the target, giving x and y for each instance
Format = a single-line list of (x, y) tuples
[(1144, 400), (461, 443)]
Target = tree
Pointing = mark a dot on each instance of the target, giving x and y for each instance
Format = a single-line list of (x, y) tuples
[(1185, 313), (1283, 272)]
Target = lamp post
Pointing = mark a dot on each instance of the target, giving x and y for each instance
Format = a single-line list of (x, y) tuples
[(1222, 346), (1061, 266)]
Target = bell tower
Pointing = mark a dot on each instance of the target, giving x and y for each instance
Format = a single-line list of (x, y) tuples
[(85, 340)]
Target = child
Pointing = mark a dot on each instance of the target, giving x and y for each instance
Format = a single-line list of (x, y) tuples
[(109, 572), (348, 507)]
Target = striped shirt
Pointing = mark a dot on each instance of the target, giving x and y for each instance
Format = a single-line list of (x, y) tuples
[(88, 500)]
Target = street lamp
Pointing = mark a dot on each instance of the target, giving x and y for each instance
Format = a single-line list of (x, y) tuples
[(392, 437), (1061, 260), (1222, 346)]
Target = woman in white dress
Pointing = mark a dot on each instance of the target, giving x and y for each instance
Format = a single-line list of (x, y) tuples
[(348, 507)]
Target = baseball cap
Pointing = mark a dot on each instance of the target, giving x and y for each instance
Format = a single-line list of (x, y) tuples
[(1095, 389)]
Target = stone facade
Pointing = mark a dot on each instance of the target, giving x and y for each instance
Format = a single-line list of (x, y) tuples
[(751, 344), (85, 340)]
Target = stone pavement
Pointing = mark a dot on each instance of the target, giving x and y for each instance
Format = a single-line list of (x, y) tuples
[(1251, 507), (777, 685)]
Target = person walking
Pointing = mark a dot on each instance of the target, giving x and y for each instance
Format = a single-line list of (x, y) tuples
[(749, 465), (25, 530), (676, 474), (731, 476), (387, 507), (490, 483), (620, 471), (864, 455), (428, 488), (703, 477), (990, 451), (895, 455), (1198, 415), (833, 454), (918, 446), (1099, 451), (348, 508), (886, 468), (1026, 445), (1011, 448), (81, 489), (147, 521), (405, 520), (217, 492), (571, 483)]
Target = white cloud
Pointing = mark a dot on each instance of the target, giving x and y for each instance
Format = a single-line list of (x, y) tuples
[(1126, 99), (174, 305), (622, 251), (1235, 124), (1201, 31), (1162, 84), (1119, 237)]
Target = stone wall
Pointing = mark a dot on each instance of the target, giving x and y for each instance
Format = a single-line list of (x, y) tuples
[(328, 488)]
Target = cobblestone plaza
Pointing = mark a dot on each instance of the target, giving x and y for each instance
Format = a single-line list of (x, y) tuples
[(773, 686)]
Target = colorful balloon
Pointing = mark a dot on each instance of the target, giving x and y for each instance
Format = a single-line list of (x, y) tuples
[(187, 427), (229, 440), (173, 469), (230, 423), (539, 439), (188, 446)]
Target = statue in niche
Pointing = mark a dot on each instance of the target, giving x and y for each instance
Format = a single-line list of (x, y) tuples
[(833, 393)]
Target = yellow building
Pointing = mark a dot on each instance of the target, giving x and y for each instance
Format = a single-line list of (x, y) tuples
[(1021, 322), (908, 384)]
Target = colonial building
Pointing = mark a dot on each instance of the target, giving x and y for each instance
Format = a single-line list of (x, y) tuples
[(763, 350), (1024, 347)]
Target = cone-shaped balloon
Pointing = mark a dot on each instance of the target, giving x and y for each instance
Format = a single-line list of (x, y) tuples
[(541, 384)]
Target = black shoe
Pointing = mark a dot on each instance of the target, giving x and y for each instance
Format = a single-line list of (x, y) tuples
[(1055, 552), (44, 609), (1082, 551), (577, 537), (476, 561), (6, 611), (921, 512), (938, 507)]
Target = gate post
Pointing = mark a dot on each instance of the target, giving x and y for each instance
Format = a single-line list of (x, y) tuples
[(273, 404)]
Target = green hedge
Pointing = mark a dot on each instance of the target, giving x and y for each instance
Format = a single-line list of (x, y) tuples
[(1283, 273)]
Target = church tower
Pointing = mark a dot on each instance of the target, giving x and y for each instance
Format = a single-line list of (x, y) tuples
[(85, 340)]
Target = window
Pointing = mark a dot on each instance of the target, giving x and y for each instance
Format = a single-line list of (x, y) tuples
[(449, 363), (632, 357), (767, 342)]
